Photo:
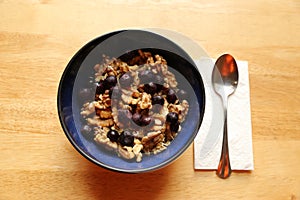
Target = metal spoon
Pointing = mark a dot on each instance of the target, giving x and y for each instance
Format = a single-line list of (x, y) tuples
[(225, 78)]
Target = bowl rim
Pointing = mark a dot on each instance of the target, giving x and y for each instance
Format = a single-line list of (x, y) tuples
[(98, 162)]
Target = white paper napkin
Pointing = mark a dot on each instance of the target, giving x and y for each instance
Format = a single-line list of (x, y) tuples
[(208, 142)]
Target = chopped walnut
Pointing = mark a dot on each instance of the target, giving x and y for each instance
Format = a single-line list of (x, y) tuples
[(126, 152), (123, 67), (137, 148), (101, 138), (104, 114), (151, 140), (126, 98), (171, 80), (145, 102), (103, 101), (88, 108)]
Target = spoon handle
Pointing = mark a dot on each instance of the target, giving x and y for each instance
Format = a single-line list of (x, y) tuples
[(224, 169)]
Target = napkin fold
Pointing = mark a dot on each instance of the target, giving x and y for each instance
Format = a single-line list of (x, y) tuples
[(208, 142)]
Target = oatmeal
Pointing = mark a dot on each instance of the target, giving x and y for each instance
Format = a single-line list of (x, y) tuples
[(137, 110)]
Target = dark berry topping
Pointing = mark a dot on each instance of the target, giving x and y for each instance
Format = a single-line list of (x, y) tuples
[(158, 100), (171, 96), (164, 90), (136, 117), (126, 139), (113, 135), (100, 88), (150, 88), (172, 117), (110, 81), (146, 120), (174, 127)]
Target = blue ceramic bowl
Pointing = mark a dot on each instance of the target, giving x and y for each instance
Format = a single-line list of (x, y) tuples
[(123, 44)]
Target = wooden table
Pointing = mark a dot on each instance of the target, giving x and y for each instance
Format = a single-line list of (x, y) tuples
[(39, 37)]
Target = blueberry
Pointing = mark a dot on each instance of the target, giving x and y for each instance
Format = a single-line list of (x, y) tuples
[(146, 76), (110, 81), (126, 139), (136, 117), (146, 120), (164, 90), (100, 88), (133, 108), (113, 135), (171, 96), (126, 80), (150, 88), (172, 117), (174, 127), (158, 100)]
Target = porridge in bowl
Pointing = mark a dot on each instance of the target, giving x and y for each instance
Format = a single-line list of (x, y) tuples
[(138, 108)]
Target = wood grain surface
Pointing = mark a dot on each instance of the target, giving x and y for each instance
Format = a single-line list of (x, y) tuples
[(39, 37)]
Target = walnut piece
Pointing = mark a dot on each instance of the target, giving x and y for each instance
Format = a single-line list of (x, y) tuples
[(145, 102)]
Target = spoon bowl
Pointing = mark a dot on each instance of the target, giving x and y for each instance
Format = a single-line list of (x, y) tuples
[(225, 75), (225, 78)]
